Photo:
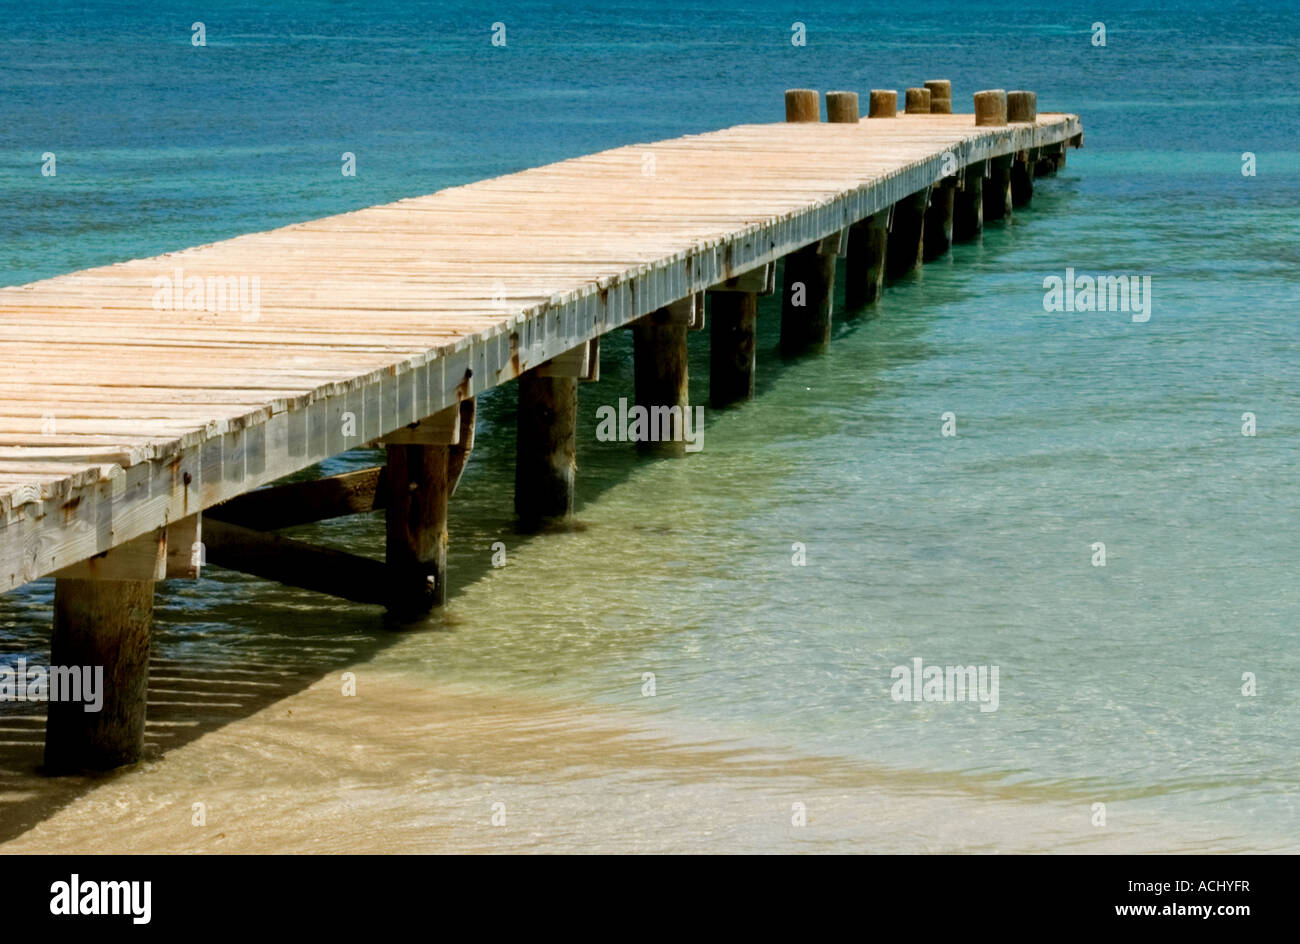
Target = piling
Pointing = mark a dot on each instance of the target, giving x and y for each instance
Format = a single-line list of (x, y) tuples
[(802, 105), (883, 104), (733, 318), (968, 202), (940, 96), (415, 520), (660, 377), (842, 107), (864, 267), (104, 623), (545, 449), (1022, 106), (939, 219), (997, 189), (917, 101), (906, 249), (991, 107)]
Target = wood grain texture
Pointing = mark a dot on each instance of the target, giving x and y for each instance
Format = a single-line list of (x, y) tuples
[(114, 409)]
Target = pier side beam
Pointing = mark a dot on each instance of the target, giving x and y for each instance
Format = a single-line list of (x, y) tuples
[(939, 218), (103, 618), (906, 248), (545, 449), (415, 519), (997, 189), (968, 211), (661, 380), (864, 267)]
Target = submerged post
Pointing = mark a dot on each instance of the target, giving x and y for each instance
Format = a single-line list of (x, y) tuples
[(939, 218), (968, 202), (103, 621), (907, 236), (997, 189), (660, 376), (864, 268), (545, 448), (842, 107), (733, 319), (415, 519)]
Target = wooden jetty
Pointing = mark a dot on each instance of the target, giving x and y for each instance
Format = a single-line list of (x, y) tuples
[(136, 396)]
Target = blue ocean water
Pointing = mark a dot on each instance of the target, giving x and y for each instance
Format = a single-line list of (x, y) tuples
[(1120, 683)]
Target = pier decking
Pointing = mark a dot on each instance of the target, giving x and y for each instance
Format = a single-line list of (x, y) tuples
[(135, 396)]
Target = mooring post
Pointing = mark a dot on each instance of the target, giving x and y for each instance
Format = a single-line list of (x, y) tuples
[(415, 518), (809, 276), (940, 96), (660, 376), (939, 218), (103, 620), (883, 103), (802, 105), (842, 108), (917, 101), (906, 249), (968, 204), (1022, 107)]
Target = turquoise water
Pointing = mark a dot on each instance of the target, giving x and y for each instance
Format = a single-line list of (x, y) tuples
[(1119, 684)]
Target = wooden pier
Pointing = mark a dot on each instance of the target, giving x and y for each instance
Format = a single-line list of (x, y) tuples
[(143, 403)]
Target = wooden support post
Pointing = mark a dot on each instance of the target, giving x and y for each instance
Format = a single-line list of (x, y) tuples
[(864, 269), (660, 379), (842, 107), (1022, 106), (545, 449), (940, 96), (939, 218), (802, 105), (1047, 159), (416, 522), (991, 107), (883, 103), (1022, 179), (907, 235), (733, 317), (807, 300), (997, 189), (968, 211), (917, 101), (103, 621)]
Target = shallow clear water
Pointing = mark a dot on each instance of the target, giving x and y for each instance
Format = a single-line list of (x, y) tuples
[(1119, 684)]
